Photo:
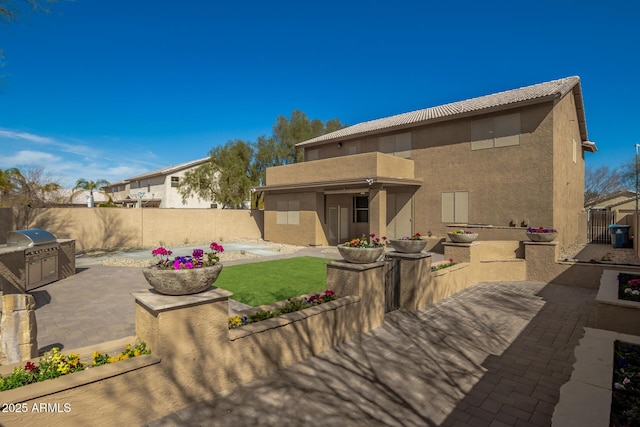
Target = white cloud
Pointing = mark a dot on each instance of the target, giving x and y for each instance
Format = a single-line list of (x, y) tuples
[(28, 158), (25, 136), (66, 162)]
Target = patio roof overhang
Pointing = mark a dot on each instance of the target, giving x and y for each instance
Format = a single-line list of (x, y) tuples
[(345, 185)]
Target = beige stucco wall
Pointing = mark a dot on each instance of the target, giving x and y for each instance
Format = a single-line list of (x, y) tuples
[(305, 233), (568, 176), (358, 166), (113, 227), (504, 184)]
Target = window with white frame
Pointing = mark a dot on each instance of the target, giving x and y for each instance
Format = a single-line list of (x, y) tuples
[(494, 132), (455, 206), (175, 180), (288, 212)]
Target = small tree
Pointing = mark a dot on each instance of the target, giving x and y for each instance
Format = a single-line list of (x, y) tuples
[(200, 182), (27, 190), (601, 181), (90, 186)]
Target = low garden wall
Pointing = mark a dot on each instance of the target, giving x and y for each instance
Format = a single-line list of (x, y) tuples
[(194, 357)]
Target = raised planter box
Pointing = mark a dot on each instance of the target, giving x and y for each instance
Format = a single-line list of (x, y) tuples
[(615, 314), (585, 400), (285, 319), (32, 392)]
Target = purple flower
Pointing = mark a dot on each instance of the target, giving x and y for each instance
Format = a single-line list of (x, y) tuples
[(198, 253)]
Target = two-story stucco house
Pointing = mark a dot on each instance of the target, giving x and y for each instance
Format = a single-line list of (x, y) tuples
[(509, 159), (157, 189)]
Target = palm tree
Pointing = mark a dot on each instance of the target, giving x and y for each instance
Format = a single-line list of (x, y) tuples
[(90, 186)]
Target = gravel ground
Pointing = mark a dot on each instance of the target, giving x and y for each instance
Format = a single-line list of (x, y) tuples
[(125, 261)]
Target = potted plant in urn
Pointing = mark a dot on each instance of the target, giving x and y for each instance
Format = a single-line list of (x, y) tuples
[(409, 245), (363, 250), (541, 234), (462, 236), (184, 275)]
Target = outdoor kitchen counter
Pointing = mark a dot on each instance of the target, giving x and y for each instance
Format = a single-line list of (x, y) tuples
[(23, 268), (4, 249)]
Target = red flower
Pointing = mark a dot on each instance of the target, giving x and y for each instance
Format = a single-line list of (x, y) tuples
[(30, 366)]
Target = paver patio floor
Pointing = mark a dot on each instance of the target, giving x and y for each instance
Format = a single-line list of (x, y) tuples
[(495, 354)]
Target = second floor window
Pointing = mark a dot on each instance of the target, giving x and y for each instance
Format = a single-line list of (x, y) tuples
[(175, 180)]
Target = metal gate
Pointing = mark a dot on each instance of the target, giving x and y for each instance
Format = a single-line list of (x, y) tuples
[(598, 226), (391, 284)]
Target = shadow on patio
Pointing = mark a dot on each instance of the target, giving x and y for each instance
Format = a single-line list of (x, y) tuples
[(496, 352)]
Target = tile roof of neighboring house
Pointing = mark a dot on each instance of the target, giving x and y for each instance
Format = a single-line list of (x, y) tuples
[(169, 169), (606, 200), (538, 93)]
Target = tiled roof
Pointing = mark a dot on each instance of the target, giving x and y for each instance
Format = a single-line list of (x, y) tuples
[(606, 200), (498, 101), (168, 170)]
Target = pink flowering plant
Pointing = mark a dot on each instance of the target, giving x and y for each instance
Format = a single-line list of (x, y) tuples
[(461, 231), (363, 242), (541, 230), (416, 236), (197, 259)]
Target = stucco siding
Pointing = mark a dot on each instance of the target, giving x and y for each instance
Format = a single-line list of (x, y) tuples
[(568, 176), (506, 185), (305, 231)]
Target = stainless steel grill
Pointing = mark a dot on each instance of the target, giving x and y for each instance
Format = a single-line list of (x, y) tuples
[(30, 238), (40, 255)]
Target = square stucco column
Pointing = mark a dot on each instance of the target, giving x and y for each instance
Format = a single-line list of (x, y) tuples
[(541, 259), (415, 276), (378, 211), (189, 333), (365, 281)]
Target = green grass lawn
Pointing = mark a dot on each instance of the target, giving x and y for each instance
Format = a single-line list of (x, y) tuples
[(266, 282)]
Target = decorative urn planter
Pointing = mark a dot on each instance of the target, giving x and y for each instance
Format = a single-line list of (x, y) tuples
[(182, 282), (360, 255), (462, 238), (408, 246), (541, 237)]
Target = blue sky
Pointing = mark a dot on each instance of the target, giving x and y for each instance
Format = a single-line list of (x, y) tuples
[(109, 90)]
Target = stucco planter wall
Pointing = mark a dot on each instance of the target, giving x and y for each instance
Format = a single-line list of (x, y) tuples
[(360, 255), (182, 282), (408, 246)]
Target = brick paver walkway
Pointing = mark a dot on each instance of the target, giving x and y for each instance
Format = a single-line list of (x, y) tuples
[(495, 354)]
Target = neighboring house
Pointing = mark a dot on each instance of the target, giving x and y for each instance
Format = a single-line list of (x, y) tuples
[(81, 198), (510, 159), (157, 189), (623, 201)]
